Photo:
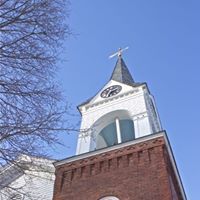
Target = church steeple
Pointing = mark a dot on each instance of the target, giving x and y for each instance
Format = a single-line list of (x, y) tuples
[(121, 72), (121, 141), (121, 111)]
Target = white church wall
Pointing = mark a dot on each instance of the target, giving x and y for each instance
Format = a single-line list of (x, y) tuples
[(142, 126), (152, 112), (35, 183)]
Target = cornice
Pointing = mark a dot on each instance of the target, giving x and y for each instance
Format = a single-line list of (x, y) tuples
[(108, 149)]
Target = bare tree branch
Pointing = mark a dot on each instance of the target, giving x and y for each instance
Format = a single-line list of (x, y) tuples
[(31, 107)]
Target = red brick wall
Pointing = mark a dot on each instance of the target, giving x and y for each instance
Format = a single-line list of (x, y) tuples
[(136, 172)]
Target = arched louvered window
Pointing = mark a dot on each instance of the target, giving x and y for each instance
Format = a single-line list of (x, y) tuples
[(127, 130), (107, 137), (115, 132)]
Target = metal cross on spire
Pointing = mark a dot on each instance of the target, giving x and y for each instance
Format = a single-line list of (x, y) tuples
[(119, 52)]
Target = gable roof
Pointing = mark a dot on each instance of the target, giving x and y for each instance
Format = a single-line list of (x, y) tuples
[(9, 175), (11, 172)]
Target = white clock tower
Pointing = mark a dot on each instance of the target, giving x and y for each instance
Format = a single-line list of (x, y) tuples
[(121, 111)]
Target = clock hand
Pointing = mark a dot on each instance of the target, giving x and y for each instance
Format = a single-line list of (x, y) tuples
[(111, 91)]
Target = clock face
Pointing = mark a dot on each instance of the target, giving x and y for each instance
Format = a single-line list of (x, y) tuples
[(111, 91)]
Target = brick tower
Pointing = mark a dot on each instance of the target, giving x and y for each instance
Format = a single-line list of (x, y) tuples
[(124, 154)]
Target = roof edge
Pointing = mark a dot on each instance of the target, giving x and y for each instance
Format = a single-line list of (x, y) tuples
[(117, 146)]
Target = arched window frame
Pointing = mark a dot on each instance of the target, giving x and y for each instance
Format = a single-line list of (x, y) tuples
[(115, 117), (109, 198)]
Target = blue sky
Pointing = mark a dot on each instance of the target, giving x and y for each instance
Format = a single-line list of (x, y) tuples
[(164, 51)]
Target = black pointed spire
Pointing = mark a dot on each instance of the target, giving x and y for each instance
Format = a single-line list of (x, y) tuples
[(121, 72)]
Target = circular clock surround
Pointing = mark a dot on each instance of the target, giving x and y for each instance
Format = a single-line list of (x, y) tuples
[(111, 91)]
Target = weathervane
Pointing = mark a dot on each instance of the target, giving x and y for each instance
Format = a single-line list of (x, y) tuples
[(119, 52)]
